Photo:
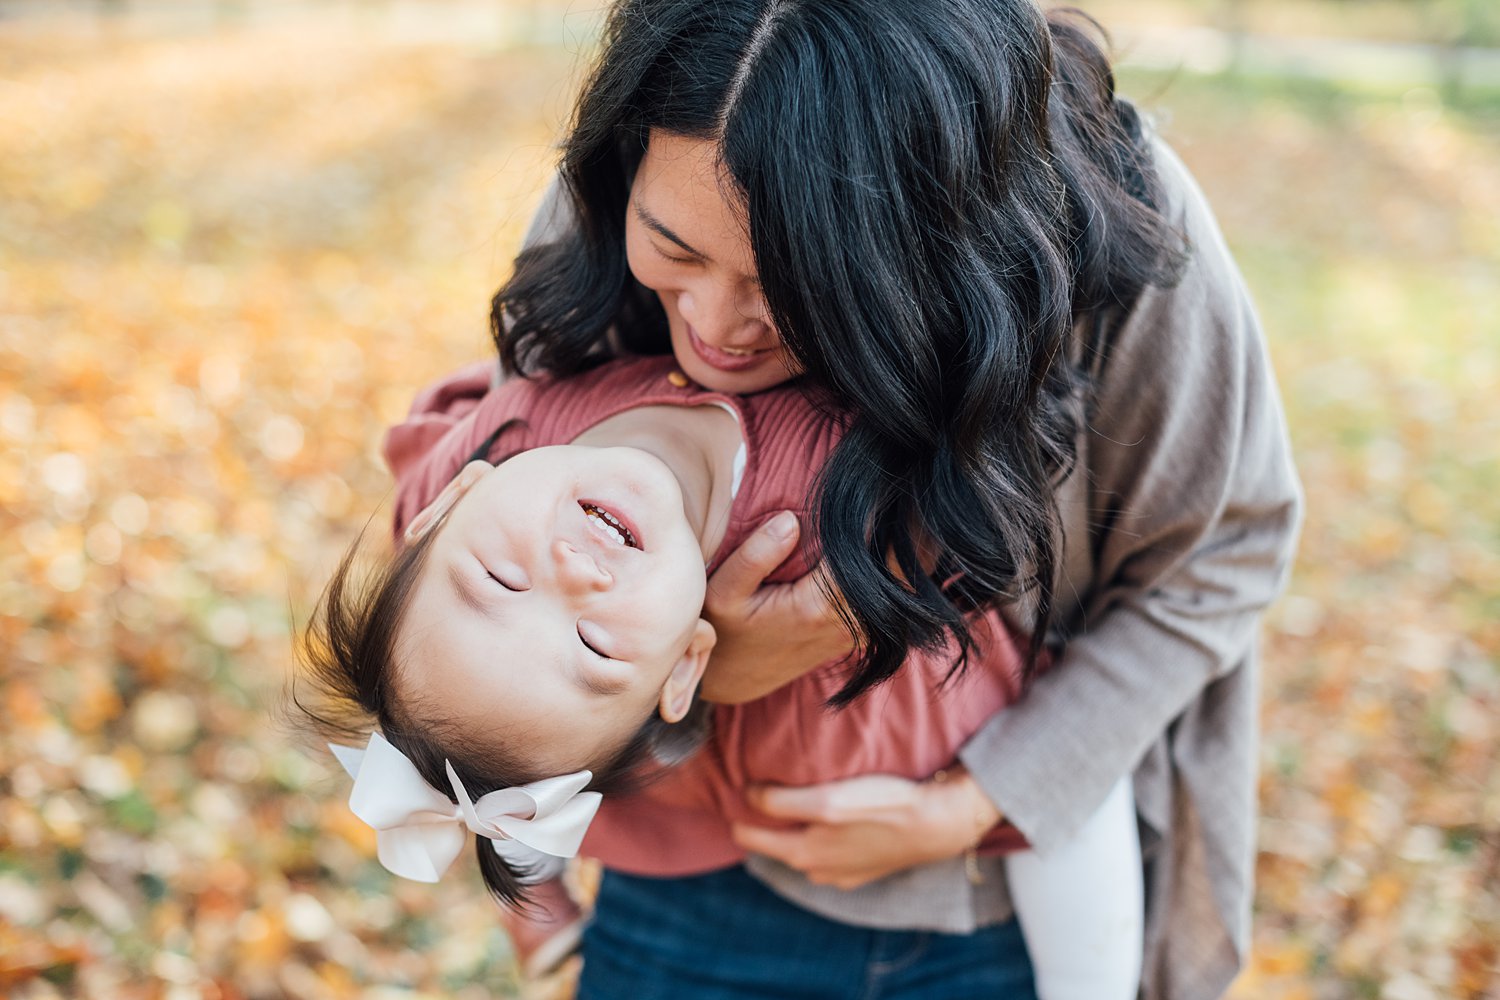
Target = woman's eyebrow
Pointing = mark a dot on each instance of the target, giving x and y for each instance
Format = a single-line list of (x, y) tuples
[(654, 224)]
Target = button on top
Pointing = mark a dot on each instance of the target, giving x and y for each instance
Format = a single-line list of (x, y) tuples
[(678, 379)]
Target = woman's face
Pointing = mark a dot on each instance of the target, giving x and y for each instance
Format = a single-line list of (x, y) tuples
[(535, 614), (687, 239)]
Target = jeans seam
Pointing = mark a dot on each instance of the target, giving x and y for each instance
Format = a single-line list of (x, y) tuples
[(878, 970)]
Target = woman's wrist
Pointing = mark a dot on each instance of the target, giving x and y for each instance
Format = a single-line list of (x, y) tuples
[(971, 813), (962, 810)]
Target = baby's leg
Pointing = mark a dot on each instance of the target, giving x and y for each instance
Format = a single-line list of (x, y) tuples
[(544, 933), (1081, 909)]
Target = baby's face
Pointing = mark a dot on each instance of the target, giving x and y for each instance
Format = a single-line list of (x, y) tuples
[(560, 601)]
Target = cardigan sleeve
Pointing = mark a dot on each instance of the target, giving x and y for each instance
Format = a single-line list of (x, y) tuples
[(1193, 509)]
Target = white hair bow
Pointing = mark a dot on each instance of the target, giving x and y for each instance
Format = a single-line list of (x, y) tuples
[(419, 833)]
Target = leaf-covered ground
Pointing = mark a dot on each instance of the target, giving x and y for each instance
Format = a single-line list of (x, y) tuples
[(228, 255)]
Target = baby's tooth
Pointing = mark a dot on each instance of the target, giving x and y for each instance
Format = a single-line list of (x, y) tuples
[(608, 523)]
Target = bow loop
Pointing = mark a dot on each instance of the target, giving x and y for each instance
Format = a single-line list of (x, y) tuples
[(419, 833)]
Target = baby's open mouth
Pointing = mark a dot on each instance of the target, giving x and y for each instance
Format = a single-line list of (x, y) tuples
[(609, 525)]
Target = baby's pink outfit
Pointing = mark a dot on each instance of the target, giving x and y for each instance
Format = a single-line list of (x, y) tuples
[(912, 725)]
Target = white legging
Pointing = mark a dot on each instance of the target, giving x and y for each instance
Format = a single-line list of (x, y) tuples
[(1081, 909)]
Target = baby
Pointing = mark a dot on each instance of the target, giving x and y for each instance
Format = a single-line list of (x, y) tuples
[(538, 641)]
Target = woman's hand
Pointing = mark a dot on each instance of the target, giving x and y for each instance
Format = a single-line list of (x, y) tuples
[(863, 829), (769, 634)]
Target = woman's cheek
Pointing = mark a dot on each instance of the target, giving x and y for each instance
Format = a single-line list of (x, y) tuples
[(645, 264), (654, 273)]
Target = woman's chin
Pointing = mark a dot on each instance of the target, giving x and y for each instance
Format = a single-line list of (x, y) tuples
[(766, 375), (734, 376)]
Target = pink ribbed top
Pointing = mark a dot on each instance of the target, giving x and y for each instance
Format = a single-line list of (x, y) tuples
[(913, 725)]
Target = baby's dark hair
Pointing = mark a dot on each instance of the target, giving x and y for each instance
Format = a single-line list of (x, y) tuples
[(349, 656)]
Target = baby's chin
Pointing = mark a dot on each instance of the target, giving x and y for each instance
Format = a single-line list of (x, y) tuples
[(582, 746), (528, 745)]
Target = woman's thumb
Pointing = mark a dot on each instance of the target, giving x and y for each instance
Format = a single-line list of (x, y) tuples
[(747, 567)]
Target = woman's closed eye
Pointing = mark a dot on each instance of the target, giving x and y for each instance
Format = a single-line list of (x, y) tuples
[(673, 258)]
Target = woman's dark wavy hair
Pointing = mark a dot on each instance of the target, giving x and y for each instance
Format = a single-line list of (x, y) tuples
[(950, 210), (349, 656)]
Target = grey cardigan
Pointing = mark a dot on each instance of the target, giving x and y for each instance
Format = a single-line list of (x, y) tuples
[(1180, 521)]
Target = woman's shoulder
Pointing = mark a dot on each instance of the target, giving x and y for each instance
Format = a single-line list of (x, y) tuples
[(1201, 304), (1207, 261)]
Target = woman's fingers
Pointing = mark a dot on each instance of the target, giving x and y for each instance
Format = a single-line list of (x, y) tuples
[(809, 597), (855, 831), (805, 851), (842, 855), (804, 803), (861, 829), (741, 574), (848, 801), (769, 633), (787, 846)]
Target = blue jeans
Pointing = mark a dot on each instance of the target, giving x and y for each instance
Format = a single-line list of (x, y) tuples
[(724, 935)]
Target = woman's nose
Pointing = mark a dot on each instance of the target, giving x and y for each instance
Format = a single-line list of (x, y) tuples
[(577, 570), (732, 316)]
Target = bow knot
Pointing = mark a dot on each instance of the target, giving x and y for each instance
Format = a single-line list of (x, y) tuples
[(419, 833)]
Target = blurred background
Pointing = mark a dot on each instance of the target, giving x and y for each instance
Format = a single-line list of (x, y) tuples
[(236, 236)]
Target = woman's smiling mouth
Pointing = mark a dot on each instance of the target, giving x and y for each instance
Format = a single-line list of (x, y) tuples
[(724, 358)]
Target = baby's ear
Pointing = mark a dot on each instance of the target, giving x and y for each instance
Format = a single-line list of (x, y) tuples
[(444, 501), (682, 683)]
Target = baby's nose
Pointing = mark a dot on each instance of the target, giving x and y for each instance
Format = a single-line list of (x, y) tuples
[(579, 570)]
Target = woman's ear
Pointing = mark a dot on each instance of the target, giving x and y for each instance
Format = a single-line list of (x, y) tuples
[(444, 501), (682, 683)]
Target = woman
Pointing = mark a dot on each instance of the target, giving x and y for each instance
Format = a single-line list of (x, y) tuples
[(941, 216)]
